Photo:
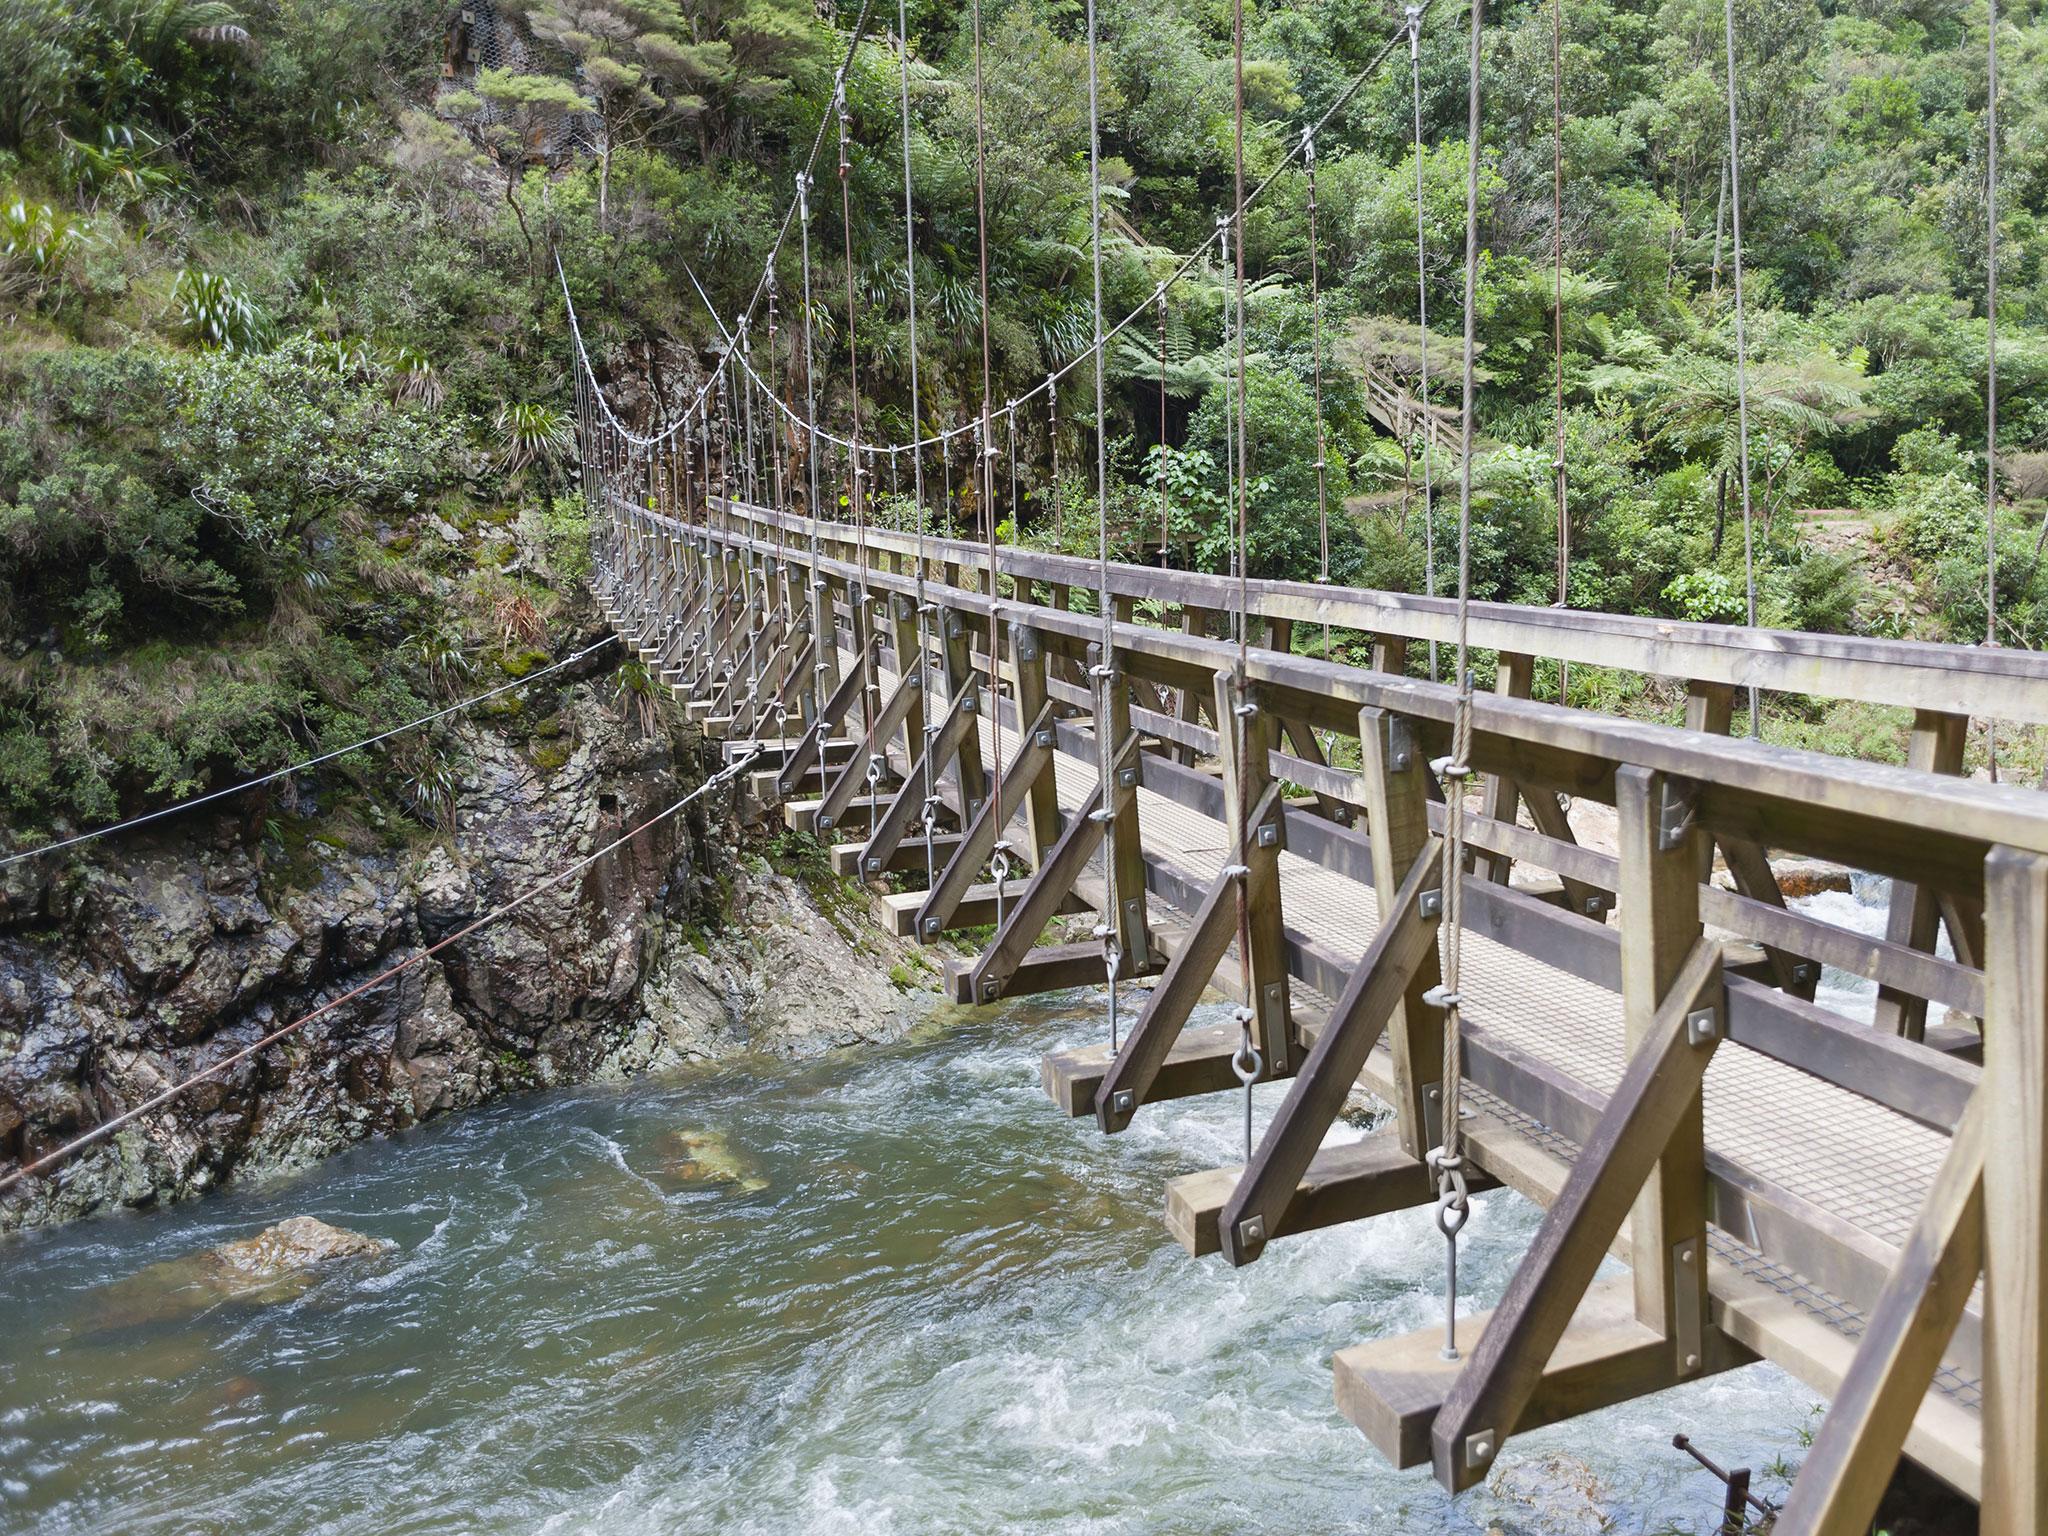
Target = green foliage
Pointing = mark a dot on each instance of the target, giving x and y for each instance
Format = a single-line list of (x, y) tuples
[(280, 444), (40, 249), (214, 311)]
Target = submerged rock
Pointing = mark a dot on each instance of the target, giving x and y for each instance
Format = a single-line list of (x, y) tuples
[(278, 1264), (705, 1157), (298, 1242), (1563, 1495)]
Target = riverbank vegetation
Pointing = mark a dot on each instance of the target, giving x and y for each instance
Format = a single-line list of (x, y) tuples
[(285, 401)]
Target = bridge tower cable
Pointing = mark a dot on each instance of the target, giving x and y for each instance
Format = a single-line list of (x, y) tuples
[(1453, 1208), (1741, 345), (984, 479)]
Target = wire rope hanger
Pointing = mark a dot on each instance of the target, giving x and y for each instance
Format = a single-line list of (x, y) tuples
[(1107, 677), (1453, 1207), (1413, 14), (984, 472), (1741, 348)]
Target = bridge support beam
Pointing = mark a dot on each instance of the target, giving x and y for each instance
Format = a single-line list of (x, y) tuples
[(2015, 1087), (1394, 777)]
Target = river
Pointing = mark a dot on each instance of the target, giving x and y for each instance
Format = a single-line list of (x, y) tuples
[(889, 1290)]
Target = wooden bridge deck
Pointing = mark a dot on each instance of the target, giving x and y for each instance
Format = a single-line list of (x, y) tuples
[(1642, 1053), (1826, 1158)]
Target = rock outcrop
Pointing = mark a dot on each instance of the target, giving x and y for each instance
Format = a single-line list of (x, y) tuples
[(164, 952)]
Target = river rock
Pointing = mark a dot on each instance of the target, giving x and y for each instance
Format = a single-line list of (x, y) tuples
[(704, 1157), (298, 1242), (1562, 1494), (278, 1264)]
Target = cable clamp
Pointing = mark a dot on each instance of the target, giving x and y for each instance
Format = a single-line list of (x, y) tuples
[(1443, 997), (1235, 872), (1450, 768)]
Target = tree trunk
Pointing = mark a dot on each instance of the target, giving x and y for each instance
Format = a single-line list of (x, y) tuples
[(1720, 510)]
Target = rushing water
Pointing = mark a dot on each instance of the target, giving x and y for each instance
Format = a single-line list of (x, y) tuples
[(895, 1293)]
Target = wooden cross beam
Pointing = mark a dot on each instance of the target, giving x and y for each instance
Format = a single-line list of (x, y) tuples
[(963, 716), (853, 778), (1658, 1092), (1846, 1471), (1394, 778), (837, 706)]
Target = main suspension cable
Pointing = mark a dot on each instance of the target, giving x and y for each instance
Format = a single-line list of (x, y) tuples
[(985, 480)]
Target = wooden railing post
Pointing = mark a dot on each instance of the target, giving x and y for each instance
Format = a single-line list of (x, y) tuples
[(1113, 715), (1514, 677), (1393, 776), (2015, 1089), (1660, 924), (960, 676), (1041, 804), (1914, 918), (1244, 788)]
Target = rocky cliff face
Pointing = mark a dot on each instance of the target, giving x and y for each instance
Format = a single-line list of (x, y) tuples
[(127, 970)]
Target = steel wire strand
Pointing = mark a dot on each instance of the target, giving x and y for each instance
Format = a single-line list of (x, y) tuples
[(300, 767), (107, 1127)]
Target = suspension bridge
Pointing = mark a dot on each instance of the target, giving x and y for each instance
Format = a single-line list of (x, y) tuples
[(1380, 866)]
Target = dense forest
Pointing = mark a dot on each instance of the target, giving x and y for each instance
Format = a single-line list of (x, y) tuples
[(285, 397)]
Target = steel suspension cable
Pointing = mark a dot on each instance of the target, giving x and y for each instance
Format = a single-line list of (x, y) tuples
[(1557, 464), (1248, 1064), (985, 479), (1991, 362), (1414, 15), (827, 637), (107, 1127), (1315, 306), (1165, 529), (1741, 346), (1106, 746), (301, 766), (924, 606), (863, 620), (1453, 1206)]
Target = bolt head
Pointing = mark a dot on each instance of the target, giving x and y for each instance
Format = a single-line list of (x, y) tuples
[(1124, 1101)]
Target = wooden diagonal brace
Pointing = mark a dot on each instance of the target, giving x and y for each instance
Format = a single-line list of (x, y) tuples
[(810, 750), (1033, 759), (1658, 1089), (963, 716), (1187, 976), (1406, 937), (1040, 900), (1846, 1471), (875, 744)]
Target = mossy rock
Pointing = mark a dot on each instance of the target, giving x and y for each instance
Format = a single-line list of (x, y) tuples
[(549, 755), (520, 663)]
